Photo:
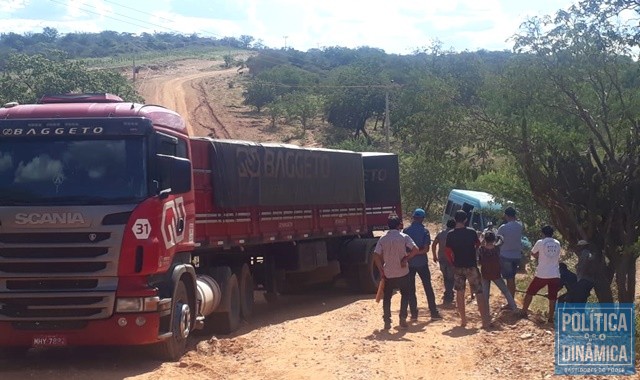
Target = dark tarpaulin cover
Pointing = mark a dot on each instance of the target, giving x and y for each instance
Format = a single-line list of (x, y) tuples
[(381, 178), (251, 174)]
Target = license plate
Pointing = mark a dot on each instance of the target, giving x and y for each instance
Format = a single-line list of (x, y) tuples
[(49, 341)]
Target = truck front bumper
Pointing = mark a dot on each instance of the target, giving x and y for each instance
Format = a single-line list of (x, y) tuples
[(119, 329)]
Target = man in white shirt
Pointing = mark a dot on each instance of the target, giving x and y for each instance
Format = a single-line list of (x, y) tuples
[(547, 251), (391, 259)]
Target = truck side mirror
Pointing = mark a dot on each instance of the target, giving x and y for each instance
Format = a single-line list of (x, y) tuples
[(174, 175)]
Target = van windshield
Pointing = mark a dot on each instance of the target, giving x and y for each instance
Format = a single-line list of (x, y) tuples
[(72, 171)]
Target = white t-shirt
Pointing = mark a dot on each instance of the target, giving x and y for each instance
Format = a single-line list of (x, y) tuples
[(548, 250), (393, 247)]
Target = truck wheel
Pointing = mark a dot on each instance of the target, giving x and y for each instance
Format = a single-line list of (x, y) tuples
[(173, 348), (227, 320), (247, 287), (368, 278), (362, 277)]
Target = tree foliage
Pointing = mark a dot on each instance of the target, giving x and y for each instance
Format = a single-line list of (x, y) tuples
[(567, 110), (108, 43), (26, 79)]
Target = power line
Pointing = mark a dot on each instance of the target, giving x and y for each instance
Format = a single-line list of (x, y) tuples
[(387, 86), (146, 24), (160, 17)]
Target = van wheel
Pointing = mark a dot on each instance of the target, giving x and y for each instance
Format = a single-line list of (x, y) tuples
[(173, 348), (247, 287)]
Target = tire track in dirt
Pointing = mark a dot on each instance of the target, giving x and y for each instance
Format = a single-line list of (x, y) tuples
[(218, 129), (182, 94)]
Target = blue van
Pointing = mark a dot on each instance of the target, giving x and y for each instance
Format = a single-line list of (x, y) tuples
[(481, 208)]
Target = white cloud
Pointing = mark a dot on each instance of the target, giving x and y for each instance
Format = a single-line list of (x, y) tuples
[(10, 6), (396, 26)]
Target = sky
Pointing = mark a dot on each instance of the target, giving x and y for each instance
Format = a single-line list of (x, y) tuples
[(396, 26)]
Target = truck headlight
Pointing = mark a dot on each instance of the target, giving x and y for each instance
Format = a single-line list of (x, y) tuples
[(136, 304)]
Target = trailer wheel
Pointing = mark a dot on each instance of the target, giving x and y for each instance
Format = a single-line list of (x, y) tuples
[(173, 348), (247, 287), (368, 277), (227, 320), (362, 277)]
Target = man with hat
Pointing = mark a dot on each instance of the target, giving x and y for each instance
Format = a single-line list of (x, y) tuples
[(511, 248), (420, 265)]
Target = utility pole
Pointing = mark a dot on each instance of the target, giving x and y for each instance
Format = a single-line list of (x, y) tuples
[(134, 68), (285, 42), (387, 121)]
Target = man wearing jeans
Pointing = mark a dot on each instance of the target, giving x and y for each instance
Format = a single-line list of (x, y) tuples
[(511, 248), (420, 265), (391, 259), (439, 245)]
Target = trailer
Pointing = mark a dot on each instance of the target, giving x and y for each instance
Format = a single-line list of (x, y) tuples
[(119, 228)]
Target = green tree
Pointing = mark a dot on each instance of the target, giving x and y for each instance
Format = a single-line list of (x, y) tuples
[(302, 106), (567, 111), (355, 93), (27, 78)]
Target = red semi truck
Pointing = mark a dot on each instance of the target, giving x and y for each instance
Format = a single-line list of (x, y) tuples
[(118, 228)]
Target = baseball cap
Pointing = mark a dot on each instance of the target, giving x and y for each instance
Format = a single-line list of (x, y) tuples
[(510, 211), (419, 213)]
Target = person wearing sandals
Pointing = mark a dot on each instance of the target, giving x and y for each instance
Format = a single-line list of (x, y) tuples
[(547, 251), (489, 257)]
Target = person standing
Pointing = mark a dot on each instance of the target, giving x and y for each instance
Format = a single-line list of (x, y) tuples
[(439, 245), (420, 265), (391, 260), (547, 251), (585, 272), (461, 251), (489, 256), (511, 248)]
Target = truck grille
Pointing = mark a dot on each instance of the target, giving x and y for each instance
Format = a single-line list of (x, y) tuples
[(52, 278), (27, 307)]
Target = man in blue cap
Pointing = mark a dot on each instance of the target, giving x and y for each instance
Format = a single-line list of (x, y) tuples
[(420, 265)]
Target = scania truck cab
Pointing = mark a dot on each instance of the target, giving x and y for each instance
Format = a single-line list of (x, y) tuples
[(95, 208)]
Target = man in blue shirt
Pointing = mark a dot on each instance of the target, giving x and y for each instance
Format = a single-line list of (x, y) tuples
[(420, 265), (511, 249)]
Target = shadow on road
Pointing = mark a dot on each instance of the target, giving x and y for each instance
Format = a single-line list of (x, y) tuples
[(97, 363), (458, 332)]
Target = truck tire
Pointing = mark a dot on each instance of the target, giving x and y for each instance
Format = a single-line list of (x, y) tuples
[(247, 287), (363, 276), (173, 348), (368, 278), (227, 319)]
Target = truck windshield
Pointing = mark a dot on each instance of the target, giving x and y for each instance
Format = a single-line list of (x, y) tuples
[(46, 171)]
